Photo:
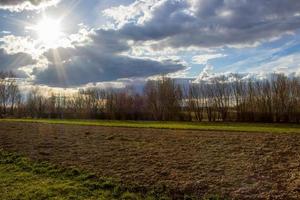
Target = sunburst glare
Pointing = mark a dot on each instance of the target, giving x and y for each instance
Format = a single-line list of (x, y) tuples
[(48, 31)]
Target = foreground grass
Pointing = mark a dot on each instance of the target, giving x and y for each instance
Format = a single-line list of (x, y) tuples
[(209, 126), (21, 178), (24, 179)]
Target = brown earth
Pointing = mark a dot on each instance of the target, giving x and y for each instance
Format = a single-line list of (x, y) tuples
[(237, 165)]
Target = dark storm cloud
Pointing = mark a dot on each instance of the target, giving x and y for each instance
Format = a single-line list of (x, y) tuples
[(213, 23), (14, 62), (97, 62), (91, 68)]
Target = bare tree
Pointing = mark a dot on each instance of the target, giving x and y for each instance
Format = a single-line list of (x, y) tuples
[(9, 93), (196, 101), (164, 99), (222, 94)]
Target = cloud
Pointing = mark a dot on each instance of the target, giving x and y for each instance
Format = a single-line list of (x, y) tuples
[(17, 44), (288, 64), (206, 74), (5, 32), (151, 37), (207, 23), (20, 5), (136, 12), (99, 61), (204, 58), (13, 62)]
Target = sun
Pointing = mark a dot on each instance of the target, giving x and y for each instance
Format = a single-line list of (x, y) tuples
[(48, 31)]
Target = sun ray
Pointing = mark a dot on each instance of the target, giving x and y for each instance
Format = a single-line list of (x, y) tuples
[(59, 67), (48, 31)]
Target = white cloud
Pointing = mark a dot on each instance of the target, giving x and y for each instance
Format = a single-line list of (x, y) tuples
[(206, 74), (16, 44), (5, 32), (20, 5), (286, 64), (137, 12), (25, 44), (203, 59)]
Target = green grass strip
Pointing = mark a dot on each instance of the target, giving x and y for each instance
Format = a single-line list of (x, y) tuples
[(208, 126)]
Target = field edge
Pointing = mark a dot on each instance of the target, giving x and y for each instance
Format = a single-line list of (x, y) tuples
[(199, 126)]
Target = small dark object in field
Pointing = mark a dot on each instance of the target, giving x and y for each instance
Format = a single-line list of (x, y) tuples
[(164, 173), (110, 137), (87, 133), (43, 153)]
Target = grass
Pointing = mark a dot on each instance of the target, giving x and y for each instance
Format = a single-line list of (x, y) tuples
[(208, 126), (23, 179)]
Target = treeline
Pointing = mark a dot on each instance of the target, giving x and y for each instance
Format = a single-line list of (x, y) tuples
[(276, 99)]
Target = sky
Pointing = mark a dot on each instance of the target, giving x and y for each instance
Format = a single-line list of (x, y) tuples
[(83, 43)]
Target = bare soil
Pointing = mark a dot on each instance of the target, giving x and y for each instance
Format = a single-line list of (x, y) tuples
[(235, 165)]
